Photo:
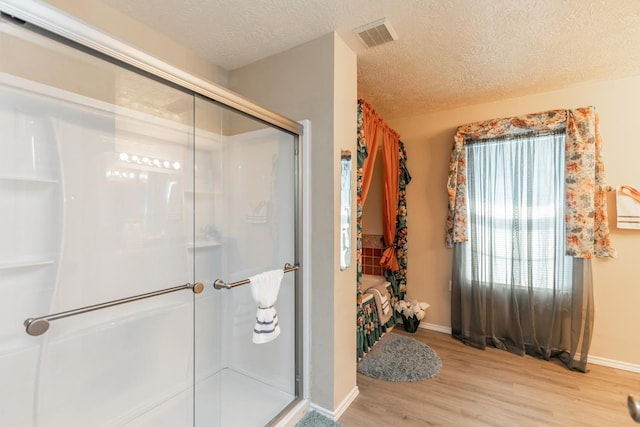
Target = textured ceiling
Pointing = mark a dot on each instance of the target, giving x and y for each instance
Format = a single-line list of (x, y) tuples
[(449, 52)]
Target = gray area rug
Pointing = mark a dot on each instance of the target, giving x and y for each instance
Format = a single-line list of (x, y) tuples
[(315, 419), (398, 358)]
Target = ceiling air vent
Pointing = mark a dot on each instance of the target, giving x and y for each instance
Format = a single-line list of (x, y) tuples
[(376, 33)]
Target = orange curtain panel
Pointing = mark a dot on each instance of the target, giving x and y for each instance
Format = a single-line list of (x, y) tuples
[(372, 126), (390, 140)]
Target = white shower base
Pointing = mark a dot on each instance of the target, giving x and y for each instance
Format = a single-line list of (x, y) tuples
[(226, 399)]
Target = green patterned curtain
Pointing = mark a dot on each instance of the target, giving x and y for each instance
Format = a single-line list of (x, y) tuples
[(362, 325), (398, 279), (369, 330)]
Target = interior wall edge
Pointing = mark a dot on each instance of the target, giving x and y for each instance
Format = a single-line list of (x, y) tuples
[(335, 414)]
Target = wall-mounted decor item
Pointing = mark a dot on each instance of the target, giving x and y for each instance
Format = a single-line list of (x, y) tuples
[(628, 207), (345, 209)]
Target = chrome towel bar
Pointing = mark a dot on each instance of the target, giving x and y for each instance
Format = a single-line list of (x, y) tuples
[(39, 325), (221, 284)]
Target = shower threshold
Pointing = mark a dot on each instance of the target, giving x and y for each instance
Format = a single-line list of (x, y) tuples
[(225, 399)]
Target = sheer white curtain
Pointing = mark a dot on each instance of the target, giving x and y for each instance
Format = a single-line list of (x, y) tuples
[(513, 285)]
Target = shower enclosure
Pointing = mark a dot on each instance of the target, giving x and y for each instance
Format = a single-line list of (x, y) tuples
[(124, 197)]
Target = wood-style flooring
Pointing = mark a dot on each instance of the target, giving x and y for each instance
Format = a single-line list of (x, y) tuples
[(494, 388)]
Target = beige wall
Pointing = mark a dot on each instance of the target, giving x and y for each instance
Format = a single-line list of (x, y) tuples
[(372, 211), (317, 81), (345, 128), (124, 28), (428, 140)]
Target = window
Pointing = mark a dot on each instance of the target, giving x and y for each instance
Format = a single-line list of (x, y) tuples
[(516, 205), (524, 192)]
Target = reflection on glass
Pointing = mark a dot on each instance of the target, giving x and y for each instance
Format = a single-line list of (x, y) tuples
[(241, 210), (126, 187), (345, 210)]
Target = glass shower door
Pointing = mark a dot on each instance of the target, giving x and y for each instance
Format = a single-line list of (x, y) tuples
[(92, 179), (115, 185), (244, 213)]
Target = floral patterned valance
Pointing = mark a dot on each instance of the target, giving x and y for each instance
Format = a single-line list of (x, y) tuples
[(587, 225)]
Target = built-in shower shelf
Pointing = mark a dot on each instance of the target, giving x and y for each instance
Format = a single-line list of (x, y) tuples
[(203, 244), (28, 179), (25, 263), (201, 192)]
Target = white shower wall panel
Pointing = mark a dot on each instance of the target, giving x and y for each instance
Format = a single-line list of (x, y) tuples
[(32, 205), (111, 373), (227, 399), (209, 322), (270, 363), (32, 152), (124, 235), (18, 372), (130, 223), (30, 223), (80, 235)]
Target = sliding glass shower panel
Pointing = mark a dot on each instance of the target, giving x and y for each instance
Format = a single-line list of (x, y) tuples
[(244, 218), (92, 181), (115, 184)]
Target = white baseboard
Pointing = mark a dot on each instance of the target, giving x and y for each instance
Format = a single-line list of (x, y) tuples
[(437, 328), (596, 360), (624, 366), (334, 415)]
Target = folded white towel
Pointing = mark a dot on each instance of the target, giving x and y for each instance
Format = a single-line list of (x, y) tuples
[(257, 214), (628, 207), (264, 288), (384, 301), (383, 307)]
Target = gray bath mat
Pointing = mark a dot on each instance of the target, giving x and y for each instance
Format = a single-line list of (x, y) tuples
[(314, 419), (399, 358)]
